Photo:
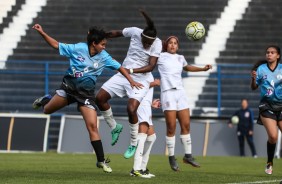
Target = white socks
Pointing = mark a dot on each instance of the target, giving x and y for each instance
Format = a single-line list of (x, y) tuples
[(187, 143), (139, 151), (147, 150), (170, 143), (142, 153), (133, 133), (109, 118)]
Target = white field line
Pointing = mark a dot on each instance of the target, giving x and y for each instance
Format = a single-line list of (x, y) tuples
[(269, 181)]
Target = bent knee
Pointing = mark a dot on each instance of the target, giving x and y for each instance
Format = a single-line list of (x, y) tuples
[(170, 132), (93, 129), (272, 139)]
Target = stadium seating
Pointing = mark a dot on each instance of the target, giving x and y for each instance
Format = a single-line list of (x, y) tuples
[(246, 45), (68, 21)]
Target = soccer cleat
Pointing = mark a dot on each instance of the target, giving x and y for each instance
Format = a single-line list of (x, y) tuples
[(104, 166), (146, 172), (130, 151), (191, 161), (138, 174), (173, 164), (39, 102), (268, 168), (115, 133)]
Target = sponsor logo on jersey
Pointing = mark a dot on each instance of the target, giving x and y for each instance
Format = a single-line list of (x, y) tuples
[(80, 58), (269, 91)]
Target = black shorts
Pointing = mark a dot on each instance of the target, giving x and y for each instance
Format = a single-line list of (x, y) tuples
[(267, 111), (81, 92)]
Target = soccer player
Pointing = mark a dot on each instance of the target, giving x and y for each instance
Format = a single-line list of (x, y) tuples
[(146, 134), (143, 52), (267, 75), (174, 101), (87, 61)]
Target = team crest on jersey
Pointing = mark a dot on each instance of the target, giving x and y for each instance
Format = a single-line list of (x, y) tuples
[(95, 65), (247, 114), (80, 58)]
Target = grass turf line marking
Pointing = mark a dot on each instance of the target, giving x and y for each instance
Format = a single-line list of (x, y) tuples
[(269, 181)]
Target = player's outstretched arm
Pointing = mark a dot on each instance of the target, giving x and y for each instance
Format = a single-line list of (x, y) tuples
[(133, 84), (191, 68), (114, 34), (148, 68), (51, 41)]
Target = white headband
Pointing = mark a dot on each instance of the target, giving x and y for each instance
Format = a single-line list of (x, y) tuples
[(153, 38)]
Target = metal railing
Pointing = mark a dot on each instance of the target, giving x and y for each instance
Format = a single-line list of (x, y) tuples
[(52, 68)]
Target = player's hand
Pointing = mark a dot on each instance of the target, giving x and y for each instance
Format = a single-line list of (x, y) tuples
[(251, 132), (254, 74), (156, 104), (156, 82), (137, 85), (37, 27), (207, 67)]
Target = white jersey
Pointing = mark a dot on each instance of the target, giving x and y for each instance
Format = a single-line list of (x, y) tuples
[(170, 67), (137, 56)]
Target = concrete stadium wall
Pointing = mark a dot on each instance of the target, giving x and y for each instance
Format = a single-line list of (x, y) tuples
[(212, 138)]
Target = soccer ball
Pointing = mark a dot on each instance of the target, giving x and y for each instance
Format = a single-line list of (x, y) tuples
[(235, 119), (195, 31)]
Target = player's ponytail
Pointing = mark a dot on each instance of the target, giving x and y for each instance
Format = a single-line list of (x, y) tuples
[(150, 30), (257, 64)]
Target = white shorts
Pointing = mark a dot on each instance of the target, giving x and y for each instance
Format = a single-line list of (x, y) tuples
[(174, 99), (144, 111), (119, 86)]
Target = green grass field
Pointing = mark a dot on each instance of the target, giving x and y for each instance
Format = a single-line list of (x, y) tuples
[(80, 168)]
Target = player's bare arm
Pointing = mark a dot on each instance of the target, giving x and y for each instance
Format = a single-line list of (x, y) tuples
[(150, 67), (254, 86), (191, 68), (114, 34), (51, 41)]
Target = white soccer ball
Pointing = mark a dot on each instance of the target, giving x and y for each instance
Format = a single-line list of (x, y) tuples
[(235, 119), (195, 31)]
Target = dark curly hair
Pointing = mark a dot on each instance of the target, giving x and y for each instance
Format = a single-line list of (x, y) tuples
[(96, 35)]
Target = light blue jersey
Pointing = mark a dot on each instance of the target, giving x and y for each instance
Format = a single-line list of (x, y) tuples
[(82, 65), (270, 83)]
